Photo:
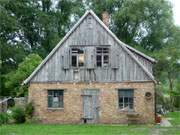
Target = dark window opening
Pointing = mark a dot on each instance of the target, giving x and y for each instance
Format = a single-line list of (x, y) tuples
[(98, 60), (55, 98), (102, 57), (77, 57), (126, 98), (74, 61)]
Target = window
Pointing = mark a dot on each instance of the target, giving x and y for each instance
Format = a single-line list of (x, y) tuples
[(126, 98), (77, 57), (55, 98), (102, 56)]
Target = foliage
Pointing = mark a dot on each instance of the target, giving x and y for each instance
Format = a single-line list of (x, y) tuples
[(167, 69), (15, 78), (29, 109), (4, 118), (18, 114), (31, 27), (146, 23), (162, 97)]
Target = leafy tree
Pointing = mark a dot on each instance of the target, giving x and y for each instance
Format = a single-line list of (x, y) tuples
[(41, 23), (146, 23), (32, 27), (15, 78), (167, 69)]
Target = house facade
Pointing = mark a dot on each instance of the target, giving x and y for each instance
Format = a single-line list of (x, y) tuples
[(93, 77)]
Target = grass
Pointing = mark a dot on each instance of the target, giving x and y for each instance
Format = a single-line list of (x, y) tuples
[(174, 118), (42, 129), (39, 129)]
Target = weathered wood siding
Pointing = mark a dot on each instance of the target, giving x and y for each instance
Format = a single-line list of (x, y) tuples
[(148, 64), (91, 35)]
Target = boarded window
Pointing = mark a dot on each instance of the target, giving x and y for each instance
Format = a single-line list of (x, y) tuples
[(65, 58), (90, 57), (77, 57), (126, 98), (102, 56), (55, 98), (115, 58)]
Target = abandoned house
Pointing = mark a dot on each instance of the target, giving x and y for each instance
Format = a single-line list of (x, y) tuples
[(93, 77)]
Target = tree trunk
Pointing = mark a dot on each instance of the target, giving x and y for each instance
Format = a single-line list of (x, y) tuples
[(171, 90)]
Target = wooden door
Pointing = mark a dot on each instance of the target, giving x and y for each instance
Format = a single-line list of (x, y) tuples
[(90, 106)]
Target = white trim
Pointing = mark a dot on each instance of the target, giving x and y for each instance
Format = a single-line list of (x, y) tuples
[(124, 46)]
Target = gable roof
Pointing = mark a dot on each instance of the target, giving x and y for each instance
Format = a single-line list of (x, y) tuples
[(126, 47)]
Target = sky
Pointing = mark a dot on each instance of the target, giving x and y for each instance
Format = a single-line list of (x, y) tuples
[(176, 11)]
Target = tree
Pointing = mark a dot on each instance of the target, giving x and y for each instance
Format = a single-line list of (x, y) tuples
[(15, 78), (40, 24), (167, 68), (145, 23), (32, 27)]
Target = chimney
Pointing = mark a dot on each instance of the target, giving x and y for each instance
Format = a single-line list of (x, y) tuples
[(105, 18)]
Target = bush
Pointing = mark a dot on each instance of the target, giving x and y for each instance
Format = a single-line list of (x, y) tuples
[(4, 118), (29, 110), (18, 114)]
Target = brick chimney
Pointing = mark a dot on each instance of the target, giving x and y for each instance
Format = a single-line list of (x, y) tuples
[(105, 18)]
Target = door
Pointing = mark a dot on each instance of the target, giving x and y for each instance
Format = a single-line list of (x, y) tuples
[(90, 106)]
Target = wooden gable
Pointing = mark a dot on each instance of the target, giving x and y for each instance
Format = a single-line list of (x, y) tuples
[(89, 32)]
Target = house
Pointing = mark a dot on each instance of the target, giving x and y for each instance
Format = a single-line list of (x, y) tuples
[(93, 77)]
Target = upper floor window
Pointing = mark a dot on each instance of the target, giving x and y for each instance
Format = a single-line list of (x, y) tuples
[(55, 98), (126, 98), (77, 57), (102, 56)]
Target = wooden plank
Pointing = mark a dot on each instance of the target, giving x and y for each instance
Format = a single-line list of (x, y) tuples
[(125, 68)]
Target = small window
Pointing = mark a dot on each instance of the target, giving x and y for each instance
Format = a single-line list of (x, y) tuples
[(55, 98), (126, 99), (77, 57), (102, 57)]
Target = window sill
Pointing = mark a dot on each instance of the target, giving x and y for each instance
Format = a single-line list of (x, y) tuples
[(126, 111), (55, 108)]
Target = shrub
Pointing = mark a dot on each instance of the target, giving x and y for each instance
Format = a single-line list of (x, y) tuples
[(29, 110), (4, 118), (18, 114)]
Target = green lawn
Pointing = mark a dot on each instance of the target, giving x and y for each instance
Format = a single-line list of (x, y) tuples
[(174, 118), (40, 129)]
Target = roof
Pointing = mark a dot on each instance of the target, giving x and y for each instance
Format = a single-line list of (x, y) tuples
[(126, 47)]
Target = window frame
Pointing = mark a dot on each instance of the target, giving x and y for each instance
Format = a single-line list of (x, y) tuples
[(60, 102), (77, 55), (103, 63), (124, 103)]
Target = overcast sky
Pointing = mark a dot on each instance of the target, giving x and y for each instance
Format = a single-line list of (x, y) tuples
[(176, 11)]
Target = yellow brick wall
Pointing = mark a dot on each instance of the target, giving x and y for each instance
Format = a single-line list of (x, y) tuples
[(108, 101)]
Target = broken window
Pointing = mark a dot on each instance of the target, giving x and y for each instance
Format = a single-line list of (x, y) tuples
[(77, 57), (126, 98), (55, 98), (102, 56)]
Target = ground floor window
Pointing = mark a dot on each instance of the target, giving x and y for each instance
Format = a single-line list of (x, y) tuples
[(55, 98), (126, 99)]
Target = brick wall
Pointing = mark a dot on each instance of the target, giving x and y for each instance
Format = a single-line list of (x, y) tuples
[(108, 101)]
